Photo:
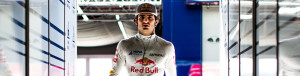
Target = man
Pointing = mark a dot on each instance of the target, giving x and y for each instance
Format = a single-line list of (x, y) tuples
[(145, 54)]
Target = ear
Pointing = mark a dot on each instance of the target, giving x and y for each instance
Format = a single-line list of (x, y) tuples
[(135, 22), (156, 22)]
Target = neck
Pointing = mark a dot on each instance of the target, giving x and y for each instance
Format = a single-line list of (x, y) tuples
[(146, 34)]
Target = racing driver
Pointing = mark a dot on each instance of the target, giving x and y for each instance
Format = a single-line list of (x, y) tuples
[(145, 54)]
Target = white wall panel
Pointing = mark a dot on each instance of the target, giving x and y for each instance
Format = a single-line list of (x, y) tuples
[(70, 24), (12, 36), (57, 37), (38, 18), (211, 50)]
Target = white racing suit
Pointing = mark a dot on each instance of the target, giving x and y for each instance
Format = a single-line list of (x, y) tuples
[(145, 56)]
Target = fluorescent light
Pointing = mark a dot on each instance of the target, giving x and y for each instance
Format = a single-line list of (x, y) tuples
[(79, 10), (122, 29), (246, 16), (85, 18), (118, 17), (288, 10)]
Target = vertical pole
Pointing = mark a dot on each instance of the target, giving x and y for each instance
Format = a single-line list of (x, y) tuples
[(228, 37), (254, 6), (277, 36), (27, 37), (65, 37), (239, 29), (48, 37)]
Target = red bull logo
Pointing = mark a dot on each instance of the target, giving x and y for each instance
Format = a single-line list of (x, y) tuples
[(144, 70), (145, 61), (146, 7)]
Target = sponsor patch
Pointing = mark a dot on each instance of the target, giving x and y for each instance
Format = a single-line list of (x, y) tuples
[(154, 54), (136, 52), (144, 70), (115, 60), (111, 72), (116, 56)]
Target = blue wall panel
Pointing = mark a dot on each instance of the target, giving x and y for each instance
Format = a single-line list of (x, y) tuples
[(182, 25)]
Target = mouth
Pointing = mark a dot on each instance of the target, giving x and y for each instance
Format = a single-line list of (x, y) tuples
[(145, 25)]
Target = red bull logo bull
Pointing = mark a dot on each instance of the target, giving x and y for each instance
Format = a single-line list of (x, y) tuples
[(144, 70), (145, 61), (146, 7)]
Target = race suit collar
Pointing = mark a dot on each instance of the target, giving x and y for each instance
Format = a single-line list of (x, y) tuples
[(140, 36)]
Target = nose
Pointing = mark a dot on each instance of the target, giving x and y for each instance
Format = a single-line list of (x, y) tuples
[(145, 20)]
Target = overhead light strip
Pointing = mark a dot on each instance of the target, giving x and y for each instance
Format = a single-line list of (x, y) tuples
[(121, 27), (85, 18)]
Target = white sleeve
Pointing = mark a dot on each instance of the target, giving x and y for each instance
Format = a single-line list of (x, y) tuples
[(118, 61), (171, 63)]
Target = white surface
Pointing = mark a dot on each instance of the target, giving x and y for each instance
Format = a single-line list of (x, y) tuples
[(211, 28), (81, 68), (100, 66)]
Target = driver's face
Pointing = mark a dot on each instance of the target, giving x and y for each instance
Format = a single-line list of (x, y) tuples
[(146, 23)]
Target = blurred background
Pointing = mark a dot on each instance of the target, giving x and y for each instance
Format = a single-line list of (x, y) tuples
[(211, 37)]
